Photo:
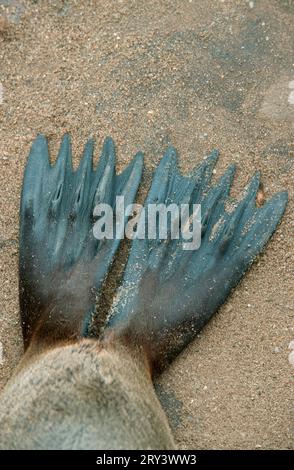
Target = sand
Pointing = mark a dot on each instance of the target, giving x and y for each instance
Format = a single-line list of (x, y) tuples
[(198, 75)]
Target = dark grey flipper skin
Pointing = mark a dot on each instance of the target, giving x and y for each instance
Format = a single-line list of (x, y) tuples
[(62, 266), (169, 294)]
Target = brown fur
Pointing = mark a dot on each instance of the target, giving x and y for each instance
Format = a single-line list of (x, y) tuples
[(85, 395)]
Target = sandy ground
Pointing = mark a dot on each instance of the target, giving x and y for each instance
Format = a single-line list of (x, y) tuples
[(197, 74)]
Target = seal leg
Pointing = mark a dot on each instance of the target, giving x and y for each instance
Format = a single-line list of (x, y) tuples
[(62, 265), (168, 294)]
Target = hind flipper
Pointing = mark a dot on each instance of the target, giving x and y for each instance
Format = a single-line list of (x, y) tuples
[(168, 294), (62, 266)]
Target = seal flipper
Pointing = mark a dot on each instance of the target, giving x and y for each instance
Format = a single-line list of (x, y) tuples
[(169, 294), (62, 266)]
